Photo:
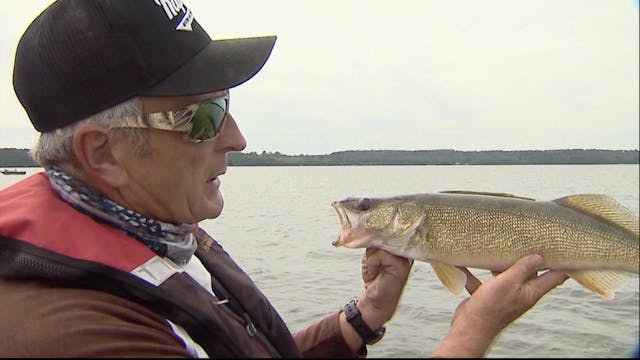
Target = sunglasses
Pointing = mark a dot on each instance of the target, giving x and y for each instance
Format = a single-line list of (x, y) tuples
[(199, 122)]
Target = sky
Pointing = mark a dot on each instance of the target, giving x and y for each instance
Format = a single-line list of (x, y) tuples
[(413, 74)]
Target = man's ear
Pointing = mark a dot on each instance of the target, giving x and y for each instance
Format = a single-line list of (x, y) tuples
[(95, 151)]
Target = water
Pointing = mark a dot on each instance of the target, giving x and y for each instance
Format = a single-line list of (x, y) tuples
[(278, 225)]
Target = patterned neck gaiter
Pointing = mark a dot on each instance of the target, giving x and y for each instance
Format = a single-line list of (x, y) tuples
[(176, 242)]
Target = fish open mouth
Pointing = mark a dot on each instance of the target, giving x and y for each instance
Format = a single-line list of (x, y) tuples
[(345, 225), (355, 234), (352, 234)]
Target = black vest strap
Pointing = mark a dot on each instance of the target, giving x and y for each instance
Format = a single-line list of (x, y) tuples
[(242, 291)]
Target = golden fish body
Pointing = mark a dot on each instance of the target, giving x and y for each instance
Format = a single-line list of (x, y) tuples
[(591, 238)]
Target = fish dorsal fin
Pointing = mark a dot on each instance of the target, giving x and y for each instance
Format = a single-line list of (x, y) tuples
[(485, 193), (602, 283), (602, 206), (450, 276)]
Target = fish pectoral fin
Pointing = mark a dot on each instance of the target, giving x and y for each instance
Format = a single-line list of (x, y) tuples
[(450, 276), (603, 283)]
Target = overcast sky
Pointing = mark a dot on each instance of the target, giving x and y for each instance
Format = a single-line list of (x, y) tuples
[(413, 75)]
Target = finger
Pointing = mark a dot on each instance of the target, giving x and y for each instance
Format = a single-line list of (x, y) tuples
[(370, 251), (381, 258), (547, 281), (370, 265), (524, 268), (473, 283), (371, 258)]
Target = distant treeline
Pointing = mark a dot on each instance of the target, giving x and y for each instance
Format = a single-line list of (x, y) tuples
[(16, 158), (439, 157), (20, 157)]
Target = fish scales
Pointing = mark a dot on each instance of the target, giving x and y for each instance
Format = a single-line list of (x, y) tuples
[(482, 231)]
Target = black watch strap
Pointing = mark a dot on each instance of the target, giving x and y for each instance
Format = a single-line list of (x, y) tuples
[(354, 318)]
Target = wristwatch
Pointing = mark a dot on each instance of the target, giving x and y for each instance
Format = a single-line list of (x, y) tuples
[(354, 318)]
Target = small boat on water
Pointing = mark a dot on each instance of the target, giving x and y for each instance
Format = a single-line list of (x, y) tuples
[(13, 172)]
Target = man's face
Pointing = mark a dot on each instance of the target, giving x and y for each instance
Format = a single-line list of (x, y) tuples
[(177, 180)]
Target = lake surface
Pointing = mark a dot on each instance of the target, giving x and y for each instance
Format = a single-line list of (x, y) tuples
[(278, 224)]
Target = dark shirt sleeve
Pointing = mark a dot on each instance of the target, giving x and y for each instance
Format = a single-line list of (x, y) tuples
[(40, 320), (323, 339)]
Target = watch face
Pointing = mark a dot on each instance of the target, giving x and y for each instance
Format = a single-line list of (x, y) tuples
[(351, 310)]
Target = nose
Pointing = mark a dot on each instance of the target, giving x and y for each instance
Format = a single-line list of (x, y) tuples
[(230, 138)]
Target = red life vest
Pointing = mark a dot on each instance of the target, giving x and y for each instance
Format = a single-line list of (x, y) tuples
[(43, 237), (33, 212)]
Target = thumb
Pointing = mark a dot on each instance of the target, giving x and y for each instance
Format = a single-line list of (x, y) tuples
[(525, 268)]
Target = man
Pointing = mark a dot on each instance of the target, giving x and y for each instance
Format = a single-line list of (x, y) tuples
[(101, 255)]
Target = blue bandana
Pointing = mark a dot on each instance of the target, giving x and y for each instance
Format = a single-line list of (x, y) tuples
[(176, 242)]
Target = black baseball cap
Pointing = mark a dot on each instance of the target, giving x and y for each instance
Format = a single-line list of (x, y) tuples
[(79, 57)]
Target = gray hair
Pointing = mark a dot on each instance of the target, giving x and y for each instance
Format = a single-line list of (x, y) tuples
[(55, 147)]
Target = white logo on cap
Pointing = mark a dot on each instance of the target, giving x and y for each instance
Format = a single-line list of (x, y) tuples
[(172, 8)]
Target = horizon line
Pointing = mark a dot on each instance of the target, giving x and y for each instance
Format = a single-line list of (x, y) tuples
[(415, 150)]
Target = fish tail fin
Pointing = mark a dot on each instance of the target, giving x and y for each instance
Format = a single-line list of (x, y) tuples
[(602, 283)]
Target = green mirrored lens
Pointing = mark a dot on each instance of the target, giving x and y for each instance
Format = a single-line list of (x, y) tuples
[(208, 119)]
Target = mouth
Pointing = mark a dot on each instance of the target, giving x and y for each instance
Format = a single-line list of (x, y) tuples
[(353, 233), (345, 225), (215, 178)]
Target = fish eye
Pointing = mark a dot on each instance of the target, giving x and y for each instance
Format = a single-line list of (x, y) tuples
[(364, 204)]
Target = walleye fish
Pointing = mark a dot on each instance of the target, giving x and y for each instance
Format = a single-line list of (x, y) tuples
[(590, 237)]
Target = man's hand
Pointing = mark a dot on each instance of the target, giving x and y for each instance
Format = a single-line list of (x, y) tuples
[(384, 276), (494, 305)]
